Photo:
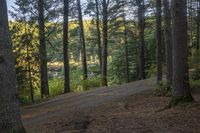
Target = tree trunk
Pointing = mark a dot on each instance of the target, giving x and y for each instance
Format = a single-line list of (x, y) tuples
[(82, 41), (190, 21), (181, 87), (126, 46), (105, 43), (141, 18), (29, 65), (10, 121), (42, 51), (198, 23), (159, 40), (98, 34), (168, 40), (29, 74), (65, 48)]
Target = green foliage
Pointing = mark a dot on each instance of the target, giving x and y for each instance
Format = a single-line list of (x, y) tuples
[(117, 67), (151, 72), (162, 89), (180, 100), (25, 49), (117, 59), (56, 86), (78, 84), (196, 74), (24, 99), (150, 47), (84, 85), (25, 35), (195, 85), (194, 60), (91, 83)]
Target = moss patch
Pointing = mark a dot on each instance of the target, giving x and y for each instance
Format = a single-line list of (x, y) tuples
[(179, 100)]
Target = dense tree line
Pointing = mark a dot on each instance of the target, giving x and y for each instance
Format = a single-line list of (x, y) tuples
[(116, 40)]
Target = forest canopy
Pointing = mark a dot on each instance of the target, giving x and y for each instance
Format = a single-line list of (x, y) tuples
[(103, 43)]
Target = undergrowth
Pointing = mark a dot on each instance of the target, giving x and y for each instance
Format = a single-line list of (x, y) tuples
[(162, 89)]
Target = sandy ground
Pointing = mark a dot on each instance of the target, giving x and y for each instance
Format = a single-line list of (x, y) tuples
[(128, 108)]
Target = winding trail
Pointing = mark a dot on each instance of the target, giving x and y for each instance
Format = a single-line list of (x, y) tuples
[(54, 108)]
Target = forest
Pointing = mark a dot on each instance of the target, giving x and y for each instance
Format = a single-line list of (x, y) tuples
[(99, 66)]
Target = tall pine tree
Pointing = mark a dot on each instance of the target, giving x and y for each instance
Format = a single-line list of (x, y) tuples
[(10, 121)]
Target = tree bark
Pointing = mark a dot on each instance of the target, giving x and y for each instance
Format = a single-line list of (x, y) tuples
[(105, 43), (82, 41), (29, 74), (29, 64), (98, 34), (141, 18), (181, 87), (126, 46), (190, 21), (198, 24), (65, 48), (168, 40), (10, 121), (42, 51), (159, 40)]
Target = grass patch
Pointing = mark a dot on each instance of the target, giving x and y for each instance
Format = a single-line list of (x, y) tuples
[(56, 86)]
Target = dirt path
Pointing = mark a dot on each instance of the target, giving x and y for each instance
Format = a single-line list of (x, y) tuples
[(58, 107)]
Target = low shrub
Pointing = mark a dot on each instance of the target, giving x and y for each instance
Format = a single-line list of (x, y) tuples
[(195, 85), (196, 74), (56, 86), (152, 71), (194, 60), (180, 100), (83, 85), (162, 89)]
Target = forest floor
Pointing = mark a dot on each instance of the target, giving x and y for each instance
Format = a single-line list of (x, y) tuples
[(129, 108)]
